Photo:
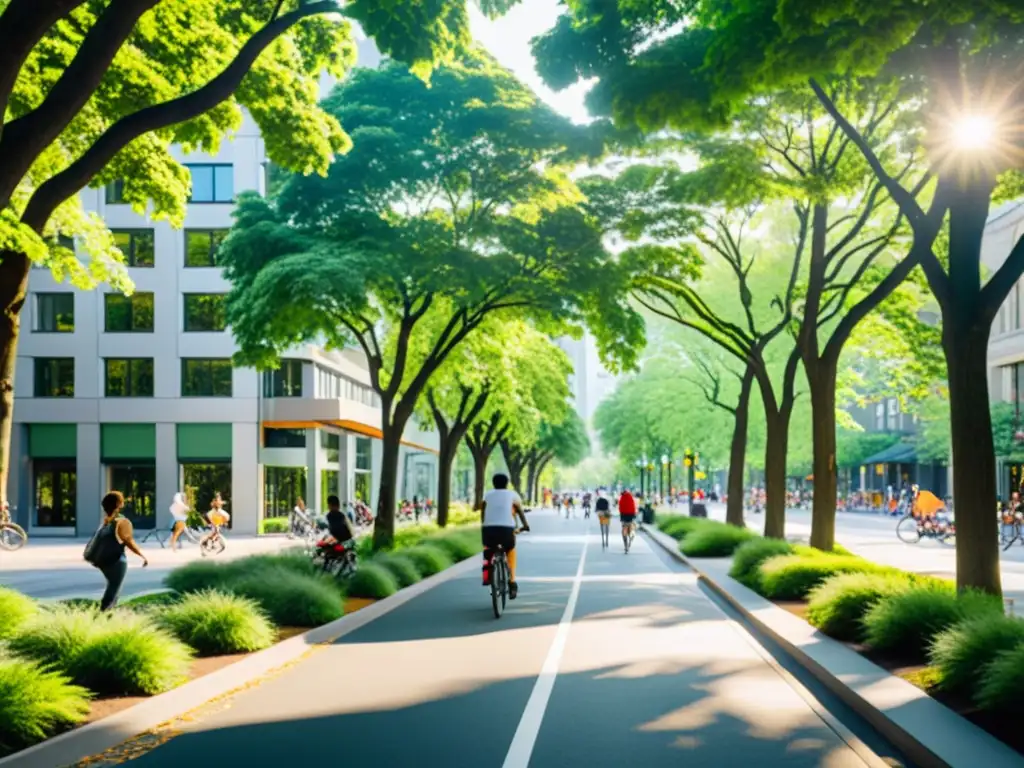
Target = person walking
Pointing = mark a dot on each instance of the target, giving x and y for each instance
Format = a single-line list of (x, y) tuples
[(179, 513), (106, 549)]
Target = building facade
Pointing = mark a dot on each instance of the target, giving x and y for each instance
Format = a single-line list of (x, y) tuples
[(139, 393)]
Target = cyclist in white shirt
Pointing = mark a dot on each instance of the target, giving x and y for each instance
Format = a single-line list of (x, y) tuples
[(179, 513), (500, 508)]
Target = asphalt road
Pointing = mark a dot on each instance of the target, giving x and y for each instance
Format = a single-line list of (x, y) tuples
[(606, 659)]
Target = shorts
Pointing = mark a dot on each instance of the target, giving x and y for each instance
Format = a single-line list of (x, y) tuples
[(499, 536), (604, 517), (626, 519)]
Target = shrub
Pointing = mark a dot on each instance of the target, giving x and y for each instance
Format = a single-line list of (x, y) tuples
[(1002, 682), (750, 554), (715, 541), (411, 535), (792, 577), (118, 653), (459, 545), (401, 567), (372, 581), (130, 655), (295, 560), (197, 576), (961, 651), (214, 623), (462, 514), (429, 559), (906, 622), (274, 525), (837, 606), (15, 610), (154, 601), (35, 704), (680, 526), (290, 599)]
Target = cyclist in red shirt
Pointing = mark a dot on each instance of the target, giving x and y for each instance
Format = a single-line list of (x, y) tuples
[(627, 514)]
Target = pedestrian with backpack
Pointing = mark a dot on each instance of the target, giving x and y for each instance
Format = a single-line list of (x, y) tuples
[(106, 549)]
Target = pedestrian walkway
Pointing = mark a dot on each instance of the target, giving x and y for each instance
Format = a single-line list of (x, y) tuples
[(606, 659)]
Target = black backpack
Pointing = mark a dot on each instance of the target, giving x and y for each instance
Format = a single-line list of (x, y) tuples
[(103, 548)]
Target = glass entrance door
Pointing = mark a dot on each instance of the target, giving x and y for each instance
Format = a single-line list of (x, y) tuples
[(56, 489)]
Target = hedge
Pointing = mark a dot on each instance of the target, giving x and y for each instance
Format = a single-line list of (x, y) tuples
[(747, 559), (715, 540), (838, 605), (274, 525), (792, 577)]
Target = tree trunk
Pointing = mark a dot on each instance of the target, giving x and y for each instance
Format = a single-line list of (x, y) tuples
[(821, 378), (974, 466), (445, 462), (776, 445), (480, 458), (531, 482), (387, 501), (738, 453), (14, 271)]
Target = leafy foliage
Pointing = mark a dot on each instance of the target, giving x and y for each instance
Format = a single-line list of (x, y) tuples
[(747, 559), (429, 559), (1002, 681), (837, 606), (15, 610), (965, 649), (401, 567), (715, 541), (35, 703), (373, 581), (792, 577)]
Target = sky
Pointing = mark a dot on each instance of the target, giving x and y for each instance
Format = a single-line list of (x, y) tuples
[(508, 40)]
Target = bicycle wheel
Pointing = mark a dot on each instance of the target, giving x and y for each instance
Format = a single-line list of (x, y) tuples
[(12, 537), (907, 530), (498, 585)]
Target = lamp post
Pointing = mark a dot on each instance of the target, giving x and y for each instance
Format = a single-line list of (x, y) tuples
[(640, 466), (689, 459), (666, 468)]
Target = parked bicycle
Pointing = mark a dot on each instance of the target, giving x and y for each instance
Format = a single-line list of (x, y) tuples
[(12, 535)]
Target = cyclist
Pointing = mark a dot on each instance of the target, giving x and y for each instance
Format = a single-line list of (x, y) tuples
[(586, 504), (627, 512), (500, 508), (216, 517), (604, 516)]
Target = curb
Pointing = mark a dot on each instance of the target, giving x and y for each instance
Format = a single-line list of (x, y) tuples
[(993, 752), (98, 737)]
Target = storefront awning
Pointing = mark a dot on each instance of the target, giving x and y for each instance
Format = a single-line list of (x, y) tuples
[(900, 453)]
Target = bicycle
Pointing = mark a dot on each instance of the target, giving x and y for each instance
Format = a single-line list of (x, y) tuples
[(12, 535), (338, 560), (213, 543), (911, 529), (1011, 530), (628, 534), (498, 575)]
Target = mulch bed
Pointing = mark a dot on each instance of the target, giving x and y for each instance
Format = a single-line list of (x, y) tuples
[(1003, 726)]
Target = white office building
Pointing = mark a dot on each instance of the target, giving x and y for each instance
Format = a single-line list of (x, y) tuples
[(139, 394)]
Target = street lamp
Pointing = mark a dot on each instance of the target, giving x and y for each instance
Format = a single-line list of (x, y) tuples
[(666, 467), (689, 460)]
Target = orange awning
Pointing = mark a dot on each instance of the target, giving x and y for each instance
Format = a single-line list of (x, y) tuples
[(349, 426)]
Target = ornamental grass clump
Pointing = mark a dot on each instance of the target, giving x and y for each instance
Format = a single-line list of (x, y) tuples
[(214, 623), (36, 703)]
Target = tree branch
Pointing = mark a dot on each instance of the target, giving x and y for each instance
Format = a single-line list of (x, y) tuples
[(994, 292), (68, 182)]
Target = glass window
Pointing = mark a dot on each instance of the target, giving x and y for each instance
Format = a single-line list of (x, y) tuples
[(56, 493), (138, 484), (201, 482), (136, 245), (331, 443), (363, 453), (284, 438), (282, 486), (205, 311), (880, 416), (328, 484), (129, 377), (206, 377), (201, 246), (114, 192), (55, 377), (124, 314), (55, 312), (362, 487), (286, 381), (212, 183)]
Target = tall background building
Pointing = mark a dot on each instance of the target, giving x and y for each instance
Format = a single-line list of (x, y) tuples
[(139, 393)]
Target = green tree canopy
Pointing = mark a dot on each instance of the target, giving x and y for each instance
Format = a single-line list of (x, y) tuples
[(454, 204)]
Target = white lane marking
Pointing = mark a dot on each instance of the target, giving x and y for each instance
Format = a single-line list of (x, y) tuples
[(521, 749)]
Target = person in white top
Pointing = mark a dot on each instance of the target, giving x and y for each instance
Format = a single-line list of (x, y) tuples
[(179, 513), (500, 508)]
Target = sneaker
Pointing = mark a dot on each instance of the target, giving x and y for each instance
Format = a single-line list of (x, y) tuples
[(513, 590)]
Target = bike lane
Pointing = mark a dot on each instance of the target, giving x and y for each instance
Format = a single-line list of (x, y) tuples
[(605, 659)]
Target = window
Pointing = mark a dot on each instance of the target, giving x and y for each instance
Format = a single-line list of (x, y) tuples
[(55, 312), (880, 416), (128, 314), (284, 438), (331, 443), (138, 484), (363, 453), (56, 492), (205, 311), (201, 246), (115, 192), (328, 484), (136, 245), (334, 385), (55, 377), (206, 377), (201, 482), (212, 183), (129, 377), (286, 381), (282, 487)]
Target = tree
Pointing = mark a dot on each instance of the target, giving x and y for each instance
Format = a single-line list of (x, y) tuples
[(958, 67), (566, 443), (93, 92), (455, 199)]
